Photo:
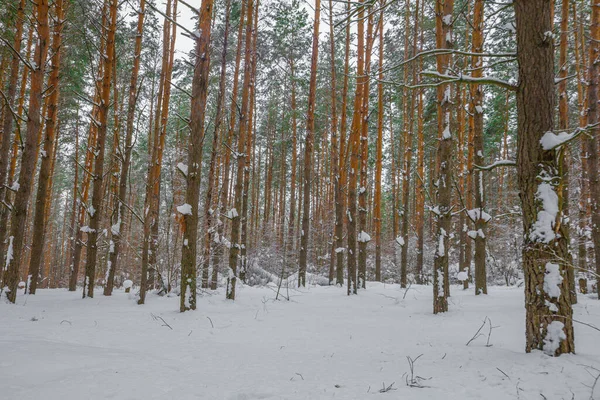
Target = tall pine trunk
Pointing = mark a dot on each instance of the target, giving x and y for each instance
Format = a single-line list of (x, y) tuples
[(308, 150), (14, 253), (549, 325)]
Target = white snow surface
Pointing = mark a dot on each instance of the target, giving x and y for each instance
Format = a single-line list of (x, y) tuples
[(56, 346)]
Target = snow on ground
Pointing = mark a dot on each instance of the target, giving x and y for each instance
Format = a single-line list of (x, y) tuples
[(321, 344)]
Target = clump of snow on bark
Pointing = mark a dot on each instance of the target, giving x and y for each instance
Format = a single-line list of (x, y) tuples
[(9, 252), (552, 140), (554, 335), (232, 213), (183, 168), (440, 283), (478, 213), (441, 249), (87, 229), (552, 280), (400, 240), (446, 134), (185, 209), (128, 284), (462, 276), (543, 228), (363, 237)]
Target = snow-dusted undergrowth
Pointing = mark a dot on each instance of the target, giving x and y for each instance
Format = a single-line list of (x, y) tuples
[(321, 344)]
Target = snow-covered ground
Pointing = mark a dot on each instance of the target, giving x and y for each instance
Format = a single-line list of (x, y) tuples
[(321, 344)]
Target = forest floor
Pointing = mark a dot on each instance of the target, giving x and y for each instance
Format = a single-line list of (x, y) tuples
[(320, 344)]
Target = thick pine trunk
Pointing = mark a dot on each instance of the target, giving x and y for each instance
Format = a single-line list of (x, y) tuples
[(549, 325)]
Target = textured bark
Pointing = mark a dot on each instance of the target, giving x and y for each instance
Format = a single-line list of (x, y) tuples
[(408, 139), (119, 207), (593, 115), (335, 149), (563, 124), (7, 128), (582, 254), (353, 151), (308, 150), (224, 193), (364, 159), (248, 155), (544, 245), (240, 158), (68, 266), (443, 216), (19, 211), (476, 112), (95, 211), (44, 191), (152, 200), (89, 162), (342, 168), (197, 132), (378, 162), (209, 202)]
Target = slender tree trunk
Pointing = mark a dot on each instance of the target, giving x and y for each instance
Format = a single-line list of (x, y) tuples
[(95, 211), (224, 193), (340, 204), (363, 236), (248, 154), (378, 162), (335, 148), (51, 137), (476, 112), (192, 195), (19, 211), (593, 115), (7, 128), (240, 157), (355, 129), (563, 124), (582, 254), (549, 326), (209, 206), (408, 140), (308, 150), (119, 201), (443, 213)]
